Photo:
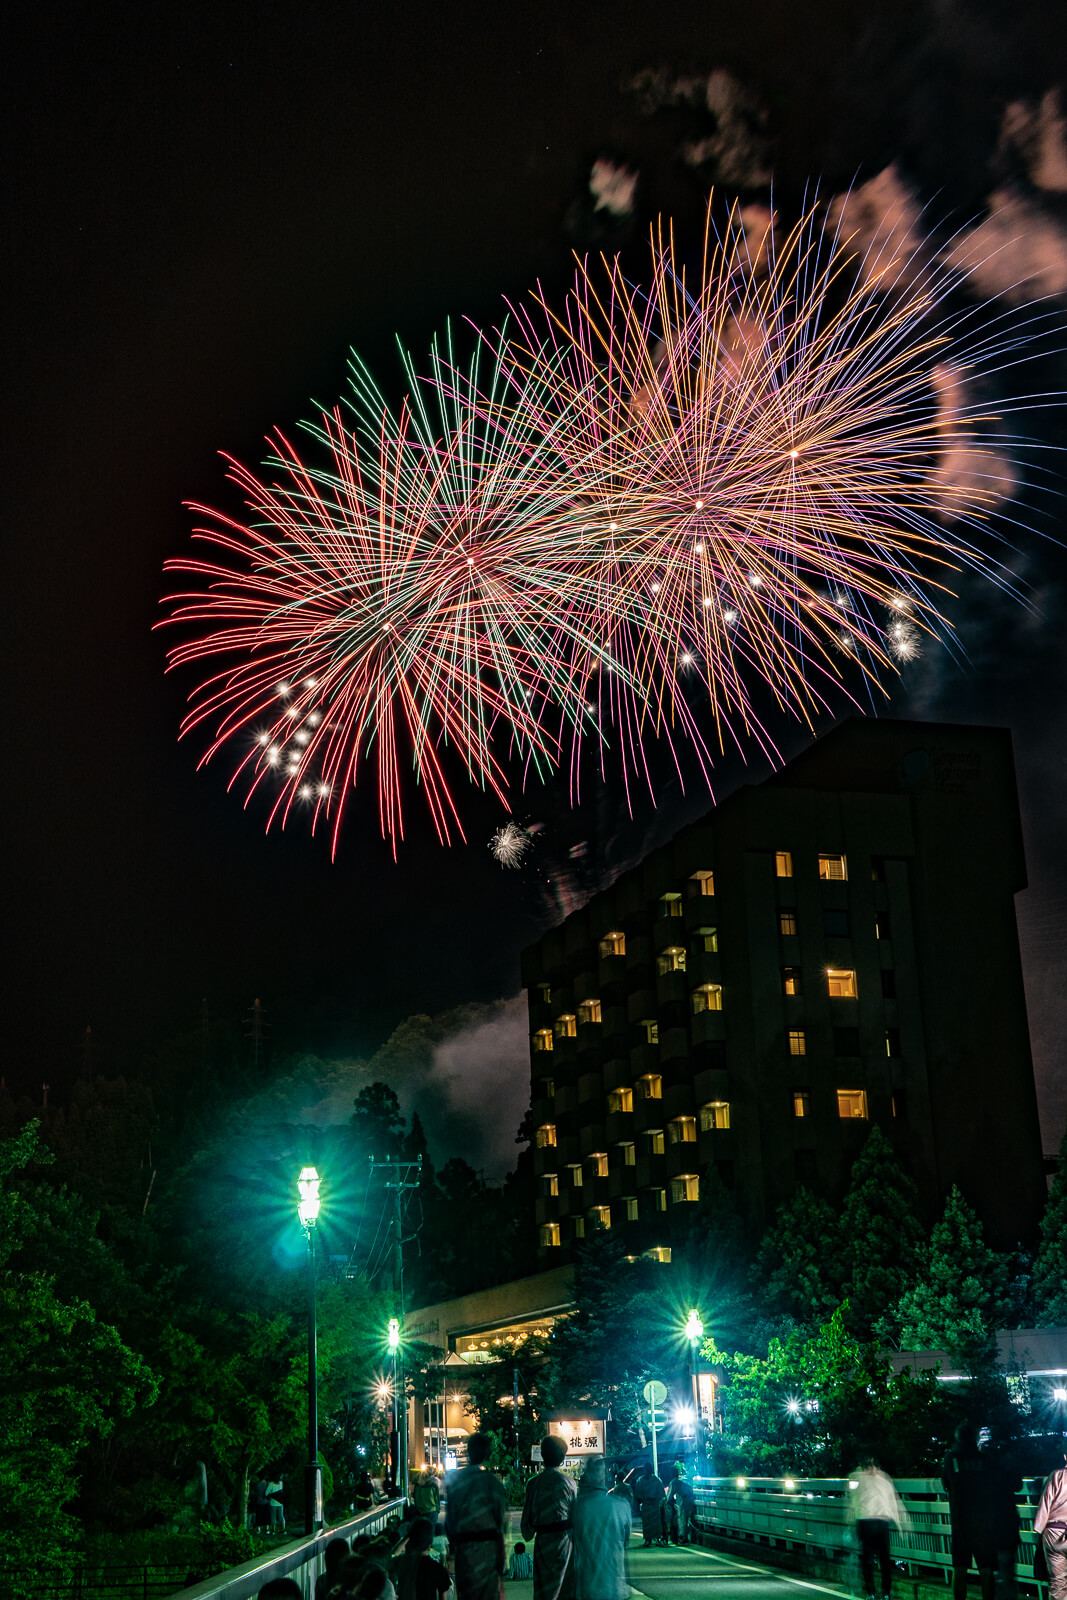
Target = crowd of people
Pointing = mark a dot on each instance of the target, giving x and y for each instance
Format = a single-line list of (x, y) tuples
[(580, 1530)]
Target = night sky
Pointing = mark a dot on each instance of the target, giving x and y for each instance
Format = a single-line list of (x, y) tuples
[(209, 203)]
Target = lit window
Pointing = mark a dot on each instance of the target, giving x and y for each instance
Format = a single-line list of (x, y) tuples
[(659, 1199), (544, 993), (892, 1042), (787, 923), (797, 1041), (709, 940), (707, 997), (833, 869), (841, 983), (613, 944), (801, 1103), (889, 984), (542, 1039), (575, 1170), (783, 863), (579, 1227), (650, 1028), (671, 960), (549, 1235), (598, 1164), (686, 1187), (682, 1130), (659, 1252), (628, 1151), (566, 1025), (670, 905), (621, 1100), (545, 1137), (650, 1086), (790, 980), (655, 1141), (600, 1216), (852, 1104), (552, 1184), (701, 883), (589, 1011), (714, 1116), (629, 1208)]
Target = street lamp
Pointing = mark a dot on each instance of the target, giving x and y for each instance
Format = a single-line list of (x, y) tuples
[(307, 1210), (398, 1440), (694, 1332)]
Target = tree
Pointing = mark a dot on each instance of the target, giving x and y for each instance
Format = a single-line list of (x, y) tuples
[(65, 1377), (881, 1237), (956, 1303), (376, 1122), (1050, 1268), (798, 1268)]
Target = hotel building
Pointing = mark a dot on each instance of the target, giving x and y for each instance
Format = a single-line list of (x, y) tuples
[(833, 947)]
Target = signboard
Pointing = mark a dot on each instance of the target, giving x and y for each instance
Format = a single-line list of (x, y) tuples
[(584, 1436), (654, 1392)]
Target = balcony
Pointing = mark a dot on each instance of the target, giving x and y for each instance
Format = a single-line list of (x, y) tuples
[(619, 1125), (708, 1027), (616, 1073), (711, 1084), (591, 1137), (672, 988)]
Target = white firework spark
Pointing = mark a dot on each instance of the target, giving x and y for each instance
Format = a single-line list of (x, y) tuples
[(510, 844)]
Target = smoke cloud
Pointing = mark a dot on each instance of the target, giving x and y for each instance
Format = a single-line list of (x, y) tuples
[(613, 187)]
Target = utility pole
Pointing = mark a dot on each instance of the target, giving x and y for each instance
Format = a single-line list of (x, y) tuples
[(399, 1177)]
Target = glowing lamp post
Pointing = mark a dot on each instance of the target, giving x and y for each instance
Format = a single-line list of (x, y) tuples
[(308, 1211), (398, 1441)]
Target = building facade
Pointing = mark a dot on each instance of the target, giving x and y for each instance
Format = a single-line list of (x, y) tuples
[(834, 947)]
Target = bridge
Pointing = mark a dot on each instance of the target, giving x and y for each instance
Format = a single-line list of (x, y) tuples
[(749, 1528)]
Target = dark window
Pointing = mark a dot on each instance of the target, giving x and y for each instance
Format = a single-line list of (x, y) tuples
[(835, 923), (878, 869), (881, 924), (898, 1104), (846, 1041), (804, 1165), (725, 1173), (892, 1041), (889, 984)]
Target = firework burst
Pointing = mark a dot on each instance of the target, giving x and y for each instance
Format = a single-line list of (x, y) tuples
[(666, 512)]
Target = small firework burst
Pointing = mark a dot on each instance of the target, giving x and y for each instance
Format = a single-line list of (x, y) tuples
[(903, 639), (510, 844)]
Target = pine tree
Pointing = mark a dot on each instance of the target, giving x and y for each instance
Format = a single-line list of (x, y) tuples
[(881, 1237), (797, 1272), (1050, 1268), (957, 1302)]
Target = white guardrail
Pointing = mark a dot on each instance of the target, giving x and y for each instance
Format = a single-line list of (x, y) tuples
[(301, 1560), (810, 1516)]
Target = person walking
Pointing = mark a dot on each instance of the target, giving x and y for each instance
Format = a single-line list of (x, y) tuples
[(427, 1496), (651, 1498), (546, 1519), (1050, 1521), (681, 1504), (967, 1481), (876, 1509), (476, 1510), (600, 1531)]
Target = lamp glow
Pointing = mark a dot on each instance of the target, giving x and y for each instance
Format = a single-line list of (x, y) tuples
[(394, 1333), (308, 1188), (1060, 1394), (694, 1327)]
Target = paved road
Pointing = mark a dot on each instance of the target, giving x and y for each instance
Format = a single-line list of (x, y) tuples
[(691, 1572)]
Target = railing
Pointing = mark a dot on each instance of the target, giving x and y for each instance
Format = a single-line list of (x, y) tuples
[(302, 1560), (811, 1516)]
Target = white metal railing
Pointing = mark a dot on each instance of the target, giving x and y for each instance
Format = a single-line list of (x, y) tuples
[(301, 1560), (811, 1516)]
